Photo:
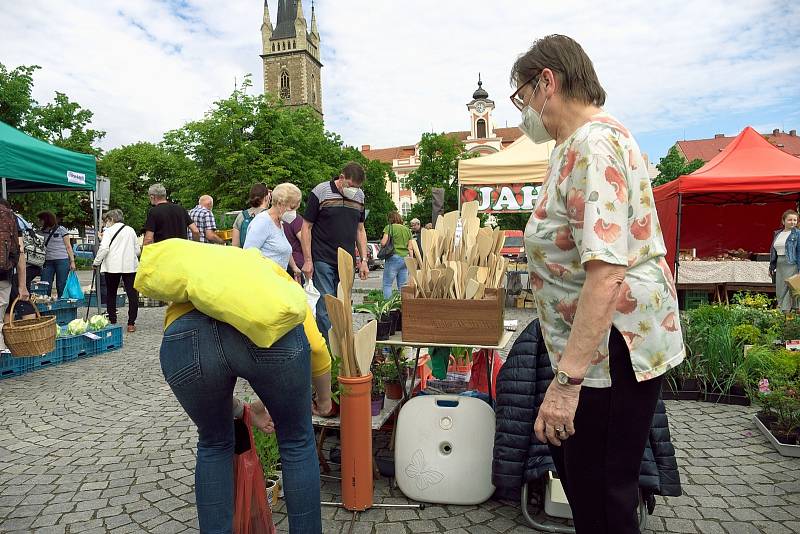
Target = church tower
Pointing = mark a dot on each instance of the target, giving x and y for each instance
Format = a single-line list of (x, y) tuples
[(292, 67), (482, 136)]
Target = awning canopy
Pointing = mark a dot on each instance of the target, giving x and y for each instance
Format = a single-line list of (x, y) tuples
[(523, 162), (733, 201), (30, 165)]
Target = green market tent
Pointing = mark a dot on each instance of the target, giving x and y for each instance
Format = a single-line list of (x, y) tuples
[(29, 165)]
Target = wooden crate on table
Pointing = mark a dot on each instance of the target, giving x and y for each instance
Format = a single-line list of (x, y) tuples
[(457, 321)]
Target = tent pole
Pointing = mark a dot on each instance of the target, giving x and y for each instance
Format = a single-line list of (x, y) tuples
[(678, 236), (5, 194), (96, 245)]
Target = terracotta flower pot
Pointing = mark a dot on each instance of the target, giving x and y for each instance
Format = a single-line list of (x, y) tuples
[(393, 389)]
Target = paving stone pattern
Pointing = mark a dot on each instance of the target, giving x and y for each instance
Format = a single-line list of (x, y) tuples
[(100, 445)]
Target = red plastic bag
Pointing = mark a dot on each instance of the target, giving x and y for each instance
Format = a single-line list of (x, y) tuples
[(478, 379), (252, 514)]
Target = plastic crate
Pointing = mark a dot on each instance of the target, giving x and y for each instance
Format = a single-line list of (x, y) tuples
[(11, 366), (110, 339), (91, 300), (63, 315), (70, 348), (40, 289), (50, 359)]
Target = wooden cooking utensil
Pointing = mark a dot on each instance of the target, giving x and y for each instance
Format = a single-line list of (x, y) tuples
[(472, 288), (336, 314), (469, 210), (365, 346)]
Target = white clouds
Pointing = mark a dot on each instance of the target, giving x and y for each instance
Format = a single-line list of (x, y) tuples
[(395, 69)]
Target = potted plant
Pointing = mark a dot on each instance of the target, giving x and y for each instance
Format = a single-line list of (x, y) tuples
[(377, 394), (380, 311), (268, 454), (392, 376), (395, 312), (779, 418), (372, 296)]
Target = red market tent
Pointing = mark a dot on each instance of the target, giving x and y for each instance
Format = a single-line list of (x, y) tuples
[(733, 201)]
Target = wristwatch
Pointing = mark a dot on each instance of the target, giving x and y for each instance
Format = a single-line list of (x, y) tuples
[(565, 380)]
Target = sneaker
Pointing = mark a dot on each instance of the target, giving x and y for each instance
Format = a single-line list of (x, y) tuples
[(131, 328)]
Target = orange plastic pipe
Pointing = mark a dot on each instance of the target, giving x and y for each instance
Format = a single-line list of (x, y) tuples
[(356, 437)]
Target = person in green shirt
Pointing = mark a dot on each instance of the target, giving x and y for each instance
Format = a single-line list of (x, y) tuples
[(394, 267)]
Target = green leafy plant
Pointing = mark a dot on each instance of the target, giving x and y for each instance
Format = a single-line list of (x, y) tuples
[(336, 388), (719, 356), (780, 405), (373, 295), (394, 302), (753, 300), (389, 371), (791, 329), (746, 334), (378, 309), (267, 450), (763, 361)]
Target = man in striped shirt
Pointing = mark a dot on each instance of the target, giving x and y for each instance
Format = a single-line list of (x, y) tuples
[(334, 218)]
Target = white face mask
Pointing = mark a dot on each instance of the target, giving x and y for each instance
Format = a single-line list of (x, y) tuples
[(289, 216), (349, 192), (532, 124)]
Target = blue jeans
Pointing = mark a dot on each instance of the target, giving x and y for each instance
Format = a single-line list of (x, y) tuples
[(394, 268), (58, 269), (326, 280), (201, 359)]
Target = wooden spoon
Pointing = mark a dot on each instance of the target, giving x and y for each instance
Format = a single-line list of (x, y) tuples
[(449, 275), (469, 209), (338, 321)]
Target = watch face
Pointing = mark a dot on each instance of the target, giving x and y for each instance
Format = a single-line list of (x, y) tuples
[(562, 378), (479, 107)]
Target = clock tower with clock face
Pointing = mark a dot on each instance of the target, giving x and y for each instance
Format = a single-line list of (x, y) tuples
[(482, 137)]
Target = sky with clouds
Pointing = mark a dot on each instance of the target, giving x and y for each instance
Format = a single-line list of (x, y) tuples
[(393, 70)]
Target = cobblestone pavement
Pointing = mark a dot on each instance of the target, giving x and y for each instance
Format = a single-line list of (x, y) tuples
[(101, 445)]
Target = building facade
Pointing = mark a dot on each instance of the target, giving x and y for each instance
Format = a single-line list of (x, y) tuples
[(291, 56), (482, 137)]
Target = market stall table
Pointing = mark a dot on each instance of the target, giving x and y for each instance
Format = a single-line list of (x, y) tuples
[(391, 406), (720, 277)]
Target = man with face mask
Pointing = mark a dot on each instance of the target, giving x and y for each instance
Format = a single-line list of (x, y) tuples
[(334, 218)]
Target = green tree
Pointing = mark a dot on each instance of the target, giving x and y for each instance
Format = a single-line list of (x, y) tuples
[(131, 169), (673, 165), (16, 101), (65, 123), (439, 155)]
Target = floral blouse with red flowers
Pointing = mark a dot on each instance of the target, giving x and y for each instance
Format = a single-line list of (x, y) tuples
[(596, 203)]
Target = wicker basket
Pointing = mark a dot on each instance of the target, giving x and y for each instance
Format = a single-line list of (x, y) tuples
[(30, 337)]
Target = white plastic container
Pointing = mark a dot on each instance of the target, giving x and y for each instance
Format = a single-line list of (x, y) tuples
[(443, 450), (555, 500)]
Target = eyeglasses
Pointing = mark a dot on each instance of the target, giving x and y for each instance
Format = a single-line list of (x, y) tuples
[(515, 99)]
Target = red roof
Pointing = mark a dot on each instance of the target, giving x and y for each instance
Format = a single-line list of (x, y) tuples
[(388, 155), (707, 149)]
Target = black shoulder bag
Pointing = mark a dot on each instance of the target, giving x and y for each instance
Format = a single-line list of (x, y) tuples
[(387, 250)]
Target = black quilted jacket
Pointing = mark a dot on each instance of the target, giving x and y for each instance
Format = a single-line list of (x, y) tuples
[(520, 458)]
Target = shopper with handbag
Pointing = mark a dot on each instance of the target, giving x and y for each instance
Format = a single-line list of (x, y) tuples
[(118, 259), (59, 260), (394, 249)]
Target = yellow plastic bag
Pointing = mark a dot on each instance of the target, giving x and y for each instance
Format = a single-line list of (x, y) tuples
[(239, 287)]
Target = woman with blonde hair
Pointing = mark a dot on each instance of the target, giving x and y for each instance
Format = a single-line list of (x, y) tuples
[(784, 259), (266, 231)]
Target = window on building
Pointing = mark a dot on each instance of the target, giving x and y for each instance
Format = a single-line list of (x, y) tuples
[(286, 92), (294, 45), (313, 89), (481, 128), (403, 182), (405, 208), (273, 47)]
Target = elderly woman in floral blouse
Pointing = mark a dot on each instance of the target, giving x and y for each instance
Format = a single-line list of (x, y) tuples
[(605, 295)]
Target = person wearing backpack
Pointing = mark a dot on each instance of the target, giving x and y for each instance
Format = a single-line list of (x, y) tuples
[(118, 259), (259, 201), (12, 258)]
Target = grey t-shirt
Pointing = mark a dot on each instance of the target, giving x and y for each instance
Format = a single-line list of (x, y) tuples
[(240, 218), (56, 249)]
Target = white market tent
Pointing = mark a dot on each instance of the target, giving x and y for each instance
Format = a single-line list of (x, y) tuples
[(522, 162)]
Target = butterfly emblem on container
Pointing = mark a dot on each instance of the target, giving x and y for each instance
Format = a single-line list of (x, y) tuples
[(424, 476)]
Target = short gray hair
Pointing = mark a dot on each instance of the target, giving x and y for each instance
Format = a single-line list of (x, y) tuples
[(115, 216), (157, 190), (415, 221)]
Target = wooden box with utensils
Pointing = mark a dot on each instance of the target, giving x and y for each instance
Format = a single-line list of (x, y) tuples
[(457, 321)]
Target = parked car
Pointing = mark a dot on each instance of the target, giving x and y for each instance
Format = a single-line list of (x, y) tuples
[(514, 247), (372, 256), (84, 251)]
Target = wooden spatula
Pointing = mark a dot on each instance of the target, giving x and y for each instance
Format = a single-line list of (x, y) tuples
[(469, 209), (472, 288), (365, 346), (336, 315)]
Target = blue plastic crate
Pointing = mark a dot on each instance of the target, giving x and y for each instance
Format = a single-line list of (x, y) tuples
[(63, 315), (11, 366), (70, 348), (50, 359), (110, 339), (40, 289)]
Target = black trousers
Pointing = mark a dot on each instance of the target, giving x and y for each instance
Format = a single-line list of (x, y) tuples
[(599, 466), (112, 284)]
